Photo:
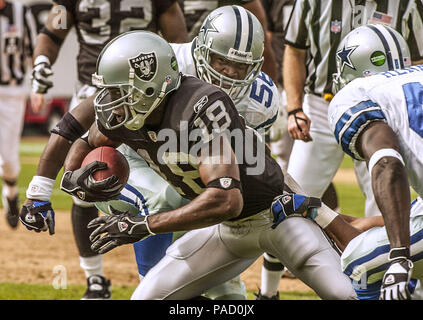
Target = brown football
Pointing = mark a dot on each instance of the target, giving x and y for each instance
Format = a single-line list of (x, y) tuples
[(116, 164)]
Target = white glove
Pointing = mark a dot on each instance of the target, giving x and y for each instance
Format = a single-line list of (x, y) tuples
[(40, 74), (396, 278)]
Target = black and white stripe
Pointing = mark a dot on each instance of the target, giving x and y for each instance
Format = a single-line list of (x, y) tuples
[(310, 28), (17, 36)]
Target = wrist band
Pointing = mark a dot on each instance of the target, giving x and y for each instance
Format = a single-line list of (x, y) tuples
[(41, 59), (388, 152), (295, 111), (40, 188), (324, 216)]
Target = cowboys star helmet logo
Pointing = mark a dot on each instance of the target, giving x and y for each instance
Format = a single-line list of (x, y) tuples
[(208, 25), (344, 57), (145, 65)]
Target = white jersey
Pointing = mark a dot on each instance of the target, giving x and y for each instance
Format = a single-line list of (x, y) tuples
[(395, 97), (365, 259), (259, 106)]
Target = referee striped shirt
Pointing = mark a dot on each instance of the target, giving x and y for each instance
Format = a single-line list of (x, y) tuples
[(320, 25), (17, 36)]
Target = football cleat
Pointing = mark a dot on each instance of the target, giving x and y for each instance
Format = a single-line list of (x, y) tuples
[(11, 209), (98, 288), (260, 296)]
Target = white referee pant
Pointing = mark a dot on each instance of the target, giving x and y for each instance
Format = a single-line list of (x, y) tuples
[(314, 164), (204, 258), (12, 110)]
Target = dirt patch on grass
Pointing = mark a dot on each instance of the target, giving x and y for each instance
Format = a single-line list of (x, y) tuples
[(29, 257)]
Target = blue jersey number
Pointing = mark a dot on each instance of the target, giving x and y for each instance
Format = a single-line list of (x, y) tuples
[(414, 98), (259, 93)]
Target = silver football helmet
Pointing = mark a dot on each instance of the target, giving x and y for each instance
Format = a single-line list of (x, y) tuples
[(135, 70), (235, 34), (368, 50)]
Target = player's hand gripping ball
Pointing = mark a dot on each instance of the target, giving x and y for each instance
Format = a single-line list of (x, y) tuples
[(103, 174)]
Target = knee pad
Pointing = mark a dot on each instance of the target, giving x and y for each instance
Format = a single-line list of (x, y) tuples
[(272, 263)]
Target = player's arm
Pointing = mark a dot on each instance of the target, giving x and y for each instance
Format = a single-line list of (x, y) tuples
[(269, 65), (46, 51), (37, 213), (216, 204), (338, 228), (294, 75), (172, 24), (379, 146), (49, 40), (71, 127)]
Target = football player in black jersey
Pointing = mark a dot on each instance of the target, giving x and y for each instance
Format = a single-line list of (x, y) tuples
[(96, 23), (241, 211)]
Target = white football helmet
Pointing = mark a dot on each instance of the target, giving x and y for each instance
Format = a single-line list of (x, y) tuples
[(368, 50), (235, 34)]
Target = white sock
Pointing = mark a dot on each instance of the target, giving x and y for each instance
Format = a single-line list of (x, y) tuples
[(9, 192), (270, 279), (92, 265)]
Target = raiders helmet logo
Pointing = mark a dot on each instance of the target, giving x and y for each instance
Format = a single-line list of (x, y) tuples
[(145, 65)]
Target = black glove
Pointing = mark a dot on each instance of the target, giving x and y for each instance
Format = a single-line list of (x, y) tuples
[(80, 183), (396, 278), (290, 204), (38, 216), (119, 229)]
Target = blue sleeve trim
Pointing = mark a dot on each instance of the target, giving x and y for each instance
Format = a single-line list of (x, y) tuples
[(353, 121)]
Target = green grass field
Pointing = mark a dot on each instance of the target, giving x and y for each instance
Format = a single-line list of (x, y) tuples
[(350, 198)]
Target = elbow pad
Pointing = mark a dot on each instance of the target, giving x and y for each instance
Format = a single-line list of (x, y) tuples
[(69, 128)]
